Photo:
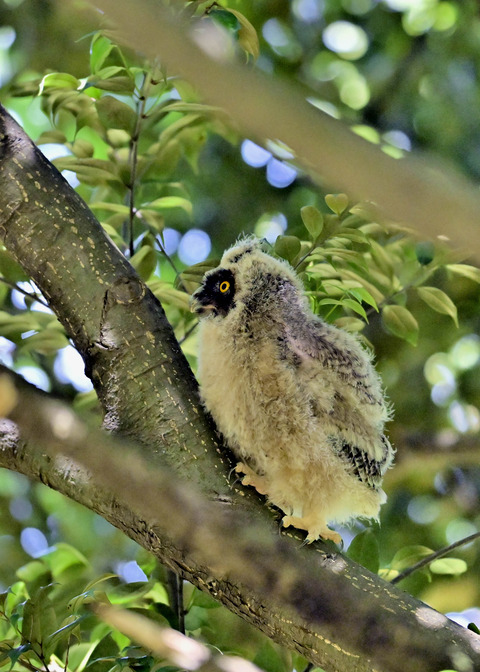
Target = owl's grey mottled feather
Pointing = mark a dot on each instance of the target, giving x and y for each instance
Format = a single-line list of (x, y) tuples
[(297, 399)]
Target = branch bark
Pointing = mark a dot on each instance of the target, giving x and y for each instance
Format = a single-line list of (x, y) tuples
[(338, 615), (334, 612), (423, 193)]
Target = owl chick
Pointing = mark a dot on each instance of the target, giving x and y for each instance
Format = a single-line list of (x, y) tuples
[(297, 400)]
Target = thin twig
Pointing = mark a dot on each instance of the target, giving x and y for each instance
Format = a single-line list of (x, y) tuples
[(171, 262), (188, 333), (430, 558), (30, 295), (175, 591), (133, 158)]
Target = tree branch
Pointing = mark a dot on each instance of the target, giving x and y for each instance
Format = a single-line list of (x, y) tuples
[(337, 615), (426, 194)]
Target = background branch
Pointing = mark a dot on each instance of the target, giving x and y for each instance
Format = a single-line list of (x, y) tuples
[(423, 193)]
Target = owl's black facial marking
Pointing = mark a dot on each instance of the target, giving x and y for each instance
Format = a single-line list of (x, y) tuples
[(216, 294)]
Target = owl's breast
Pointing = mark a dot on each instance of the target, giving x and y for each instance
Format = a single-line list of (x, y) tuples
[(254, 395)]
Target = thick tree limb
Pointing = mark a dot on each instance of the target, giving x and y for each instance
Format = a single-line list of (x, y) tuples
[(313, 603), (423, 193)]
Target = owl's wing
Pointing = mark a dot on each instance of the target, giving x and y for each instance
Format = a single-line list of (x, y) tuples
[(338, 350), (361, 463), (332, 348)]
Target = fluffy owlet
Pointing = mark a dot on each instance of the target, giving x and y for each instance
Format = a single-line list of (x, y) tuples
[(297, 399)]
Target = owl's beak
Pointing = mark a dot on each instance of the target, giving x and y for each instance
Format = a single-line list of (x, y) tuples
[(200, 302)]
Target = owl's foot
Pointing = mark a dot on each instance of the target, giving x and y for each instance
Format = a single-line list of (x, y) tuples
[(313, 528), (252, 478)]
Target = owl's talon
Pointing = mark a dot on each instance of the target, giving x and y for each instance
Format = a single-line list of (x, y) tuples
[(314, 530), (251, 478)]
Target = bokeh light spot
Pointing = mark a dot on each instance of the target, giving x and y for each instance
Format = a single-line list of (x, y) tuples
[(33, 542), (69, 368), (35, 376), (346, 39), (279, 174), (254, 155), (194, 247)]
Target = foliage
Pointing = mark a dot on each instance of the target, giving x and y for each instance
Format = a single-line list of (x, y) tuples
[(150, 158)]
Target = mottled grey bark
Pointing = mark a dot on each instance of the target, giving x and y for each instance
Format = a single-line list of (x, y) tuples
[(337, 614)]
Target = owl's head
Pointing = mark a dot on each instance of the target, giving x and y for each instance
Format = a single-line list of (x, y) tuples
[(246, 273)]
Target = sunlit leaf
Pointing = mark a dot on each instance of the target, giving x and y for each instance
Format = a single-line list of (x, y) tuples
[(355, 306), (438, 301), (169, 202), (247, 35), (381, 258), (337, 203), (100, 49), (351, 324), (470, 272), (58, 80), (361, 294), (399, 321), (454, 566)]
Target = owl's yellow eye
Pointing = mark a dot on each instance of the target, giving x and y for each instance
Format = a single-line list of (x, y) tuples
[(224, 286)]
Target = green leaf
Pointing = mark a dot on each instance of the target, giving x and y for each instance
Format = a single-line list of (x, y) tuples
[(361, 294), (11, 269), (169, 202), (408, 556), (470, 272), (313, 220), (287, 247), (204, 600), (115, 84), (119, 208), (52, 136), (247, 35), (351, 324), (170, 296), (400, 322), (355, 306), (90, 171), (99, 51), (31, 571), (269, 658), (453, 566), (438, 301), (83, 148), (144, 261), (63, 633), (364, 549), (337, 203), (63, 557), (58, 80), (381, 258), (115, 114)]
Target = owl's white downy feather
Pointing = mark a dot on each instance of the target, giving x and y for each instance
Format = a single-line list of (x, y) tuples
[(297, 400)]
